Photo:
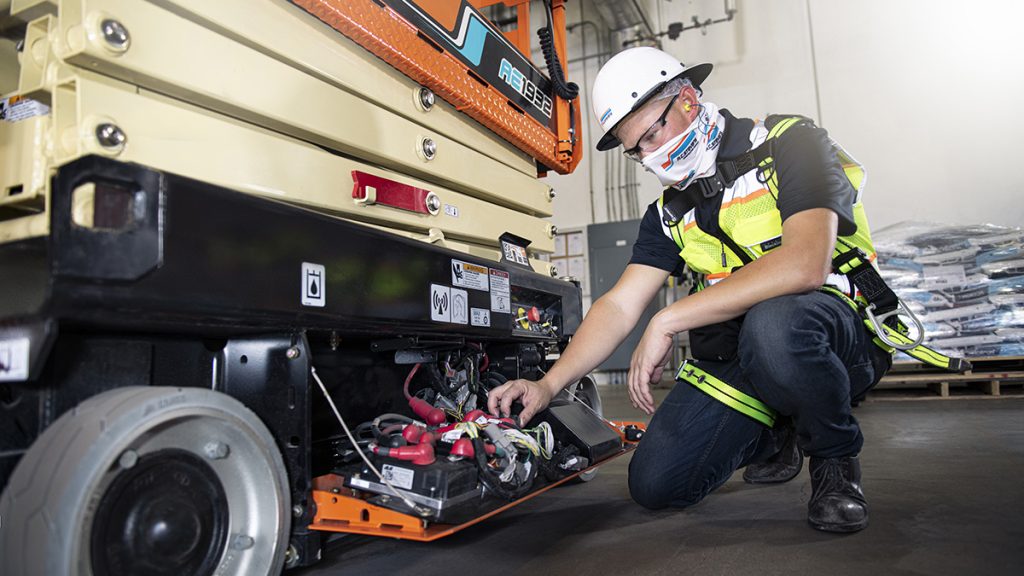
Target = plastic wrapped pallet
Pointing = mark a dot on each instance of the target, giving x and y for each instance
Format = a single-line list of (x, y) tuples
[(965, 283)]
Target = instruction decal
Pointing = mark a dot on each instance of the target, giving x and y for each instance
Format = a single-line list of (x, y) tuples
[(469, 275), (313, 289), (514, 253), (460, 306), (480, 317), (501, 297), (400, 477), (440, 303), (14, 359)]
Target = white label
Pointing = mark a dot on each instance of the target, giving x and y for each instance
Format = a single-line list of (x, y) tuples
[(501, 298), (359, 483), (480, 317), (515, 253), (451, 436), (14, 360), (469, 275), (460, 306), (440, 303), (19, 108), (620, 242), (313, 289), (400, 477), (452, 211)]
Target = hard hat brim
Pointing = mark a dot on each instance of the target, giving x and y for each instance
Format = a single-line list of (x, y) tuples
[(696, 74)]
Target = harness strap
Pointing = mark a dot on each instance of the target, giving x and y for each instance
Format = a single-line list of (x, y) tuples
[(726, 394), (917, 351)]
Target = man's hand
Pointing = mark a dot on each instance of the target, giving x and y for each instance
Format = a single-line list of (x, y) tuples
[(647, 364), (534, 396)]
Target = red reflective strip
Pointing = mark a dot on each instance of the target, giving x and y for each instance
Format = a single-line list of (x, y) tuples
[(390, 193)]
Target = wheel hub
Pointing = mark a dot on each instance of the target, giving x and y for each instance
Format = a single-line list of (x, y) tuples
[(166, 515)]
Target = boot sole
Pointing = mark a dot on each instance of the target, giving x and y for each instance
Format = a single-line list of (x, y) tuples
[(839, 528)]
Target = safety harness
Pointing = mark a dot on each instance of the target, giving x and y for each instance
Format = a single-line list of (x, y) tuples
[(879, 307)]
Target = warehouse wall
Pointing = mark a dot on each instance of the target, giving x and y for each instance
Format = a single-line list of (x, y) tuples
[(922, 92)]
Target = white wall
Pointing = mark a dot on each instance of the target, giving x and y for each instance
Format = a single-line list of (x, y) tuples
[(923, 92)]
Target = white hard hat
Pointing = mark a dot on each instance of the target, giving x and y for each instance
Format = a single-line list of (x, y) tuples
[(631, 78)]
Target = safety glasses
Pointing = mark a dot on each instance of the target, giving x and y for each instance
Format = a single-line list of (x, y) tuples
[(649, 141)]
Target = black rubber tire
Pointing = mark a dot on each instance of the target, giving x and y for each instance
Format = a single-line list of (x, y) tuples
[(48, 505)]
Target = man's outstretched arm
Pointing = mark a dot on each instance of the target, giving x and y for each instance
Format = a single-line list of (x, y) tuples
[(605, 326)]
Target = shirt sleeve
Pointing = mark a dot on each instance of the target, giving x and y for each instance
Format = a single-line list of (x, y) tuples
[(653, 247), (811, 176)]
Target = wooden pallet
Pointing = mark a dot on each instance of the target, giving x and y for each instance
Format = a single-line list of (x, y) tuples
[(990, 376)]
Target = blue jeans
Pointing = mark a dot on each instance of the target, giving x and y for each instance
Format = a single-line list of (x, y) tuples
[(808, 356)]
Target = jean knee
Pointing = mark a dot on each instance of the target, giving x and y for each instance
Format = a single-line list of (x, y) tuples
[(654, 490)]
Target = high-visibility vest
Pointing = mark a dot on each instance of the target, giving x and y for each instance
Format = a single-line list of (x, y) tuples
[(749, 215), (751, 226)]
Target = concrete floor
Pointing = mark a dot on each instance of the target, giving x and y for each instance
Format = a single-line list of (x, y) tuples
[(943, 479)]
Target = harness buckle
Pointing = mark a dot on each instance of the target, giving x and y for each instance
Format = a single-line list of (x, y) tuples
[(878, 323)]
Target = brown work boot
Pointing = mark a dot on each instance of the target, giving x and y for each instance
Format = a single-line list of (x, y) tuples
[(837, 501)]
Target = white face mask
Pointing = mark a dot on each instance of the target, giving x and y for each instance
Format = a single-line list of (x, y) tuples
[(692, 154)]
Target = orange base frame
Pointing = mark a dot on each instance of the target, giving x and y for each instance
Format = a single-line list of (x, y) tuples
[(339, 510), (384, 33)]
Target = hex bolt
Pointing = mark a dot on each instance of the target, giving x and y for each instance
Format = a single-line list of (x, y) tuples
[(429, 148), (216, 450), (128, 459), (242, 542), (551, 194), (110, 136), (553, 271), (433, 203), (427, 98), (293, 353), (553, 231), (115, 34), (297, 510)]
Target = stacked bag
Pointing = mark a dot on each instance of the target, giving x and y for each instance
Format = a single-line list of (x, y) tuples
[(965, 284)]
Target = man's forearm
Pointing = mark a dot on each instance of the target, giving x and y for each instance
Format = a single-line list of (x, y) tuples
[(603, 329)]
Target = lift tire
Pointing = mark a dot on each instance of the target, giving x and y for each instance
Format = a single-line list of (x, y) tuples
[(148, 480), (585, 391)]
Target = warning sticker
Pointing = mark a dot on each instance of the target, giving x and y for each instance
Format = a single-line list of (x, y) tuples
[(501, 298), (460, 306), (480, 317), (313, 293), (514, 253), (14, 359), (400, 477), (440, 303), (18, 108), (469, 275)]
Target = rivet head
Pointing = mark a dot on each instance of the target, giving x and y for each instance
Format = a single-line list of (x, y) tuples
[(429, 148), (433, 203), (128, 459), (110, 136), (216, 450), (115, 34), (427, 98)]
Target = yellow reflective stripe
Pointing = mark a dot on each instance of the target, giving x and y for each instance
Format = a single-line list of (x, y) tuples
[(781, 127), (731, 397)]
